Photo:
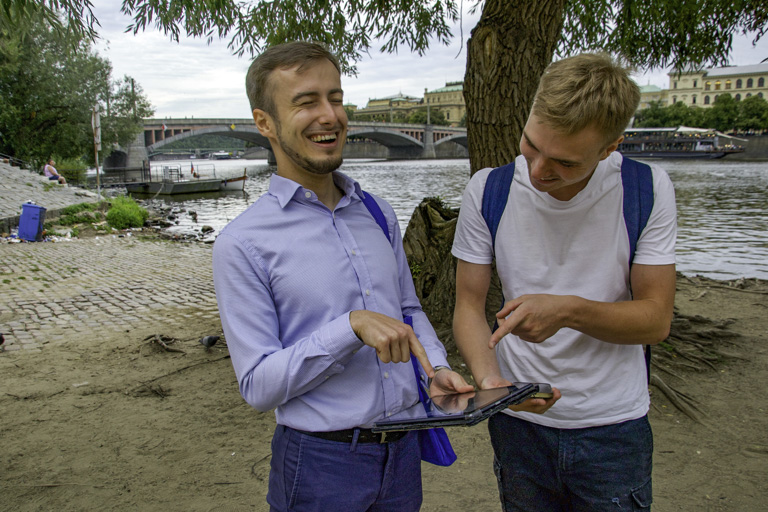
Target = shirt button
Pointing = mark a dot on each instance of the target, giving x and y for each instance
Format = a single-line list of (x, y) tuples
[(307, 194), (386, 375), (354, 351), (367, 292), (354, 252)]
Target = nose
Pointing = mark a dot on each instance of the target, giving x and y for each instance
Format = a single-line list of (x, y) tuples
[(537, 167), (328, 114)]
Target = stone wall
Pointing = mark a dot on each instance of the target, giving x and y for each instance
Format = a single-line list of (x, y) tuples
[(756, 148)]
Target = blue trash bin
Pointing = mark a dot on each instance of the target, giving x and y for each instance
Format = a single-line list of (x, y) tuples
[(31, 222)]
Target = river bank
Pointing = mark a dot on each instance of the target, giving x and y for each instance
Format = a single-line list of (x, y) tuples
[(110, 402)]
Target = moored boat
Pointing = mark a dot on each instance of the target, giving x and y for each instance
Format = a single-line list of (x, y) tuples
[(237, 183), (678, 142), (173, 180)]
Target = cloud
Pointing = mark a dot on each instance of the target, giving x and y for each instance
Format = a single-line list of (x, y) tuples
[(193, 79)]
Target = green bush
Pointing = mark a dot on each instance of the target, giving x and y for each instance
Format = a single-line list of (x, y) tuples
[(73, 169), (125, 213)]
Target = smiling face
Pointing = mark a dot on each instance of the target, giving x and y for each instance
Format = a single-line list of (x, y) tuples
[(561, 165), (309, 127)]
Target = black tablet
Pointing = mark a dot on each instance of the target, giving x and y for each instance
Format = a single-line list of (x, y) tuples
[(460, 409)]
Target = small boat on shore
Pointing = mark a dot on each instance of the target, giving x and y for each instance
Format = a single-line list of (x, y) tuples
[(173, 180), (679, 142)]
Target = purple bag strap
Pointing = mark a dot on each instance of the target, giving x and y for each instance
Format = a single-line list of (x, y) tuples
[(376, 213), (378, 216)]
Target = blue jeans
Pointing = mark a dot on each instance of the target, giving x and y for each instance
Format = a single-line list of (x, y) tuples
[(544, 469), (309, 474)]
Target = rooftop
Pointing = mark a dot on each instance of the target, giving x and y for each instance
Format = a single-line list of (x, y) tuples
[(450, 87), (738, 70), (728, 70)]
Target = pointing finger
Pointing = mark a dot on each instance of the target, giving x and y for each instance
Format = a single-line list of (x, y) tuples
[(418, 351)]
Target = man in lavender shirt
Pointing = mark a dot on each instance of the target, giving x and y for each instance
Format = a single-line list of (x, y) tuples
[(312, 298)]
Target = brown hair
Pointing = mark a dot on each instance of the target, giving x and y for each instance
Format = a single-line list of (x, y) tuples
[(590, 89), (282, 56)]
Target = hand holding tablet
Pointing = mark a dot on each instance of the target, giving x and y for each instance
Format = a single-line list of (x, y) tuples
[(461, 409)]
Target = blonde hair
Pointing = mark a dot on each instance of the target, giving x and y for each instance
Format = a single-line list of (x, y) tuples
[(590, 89)]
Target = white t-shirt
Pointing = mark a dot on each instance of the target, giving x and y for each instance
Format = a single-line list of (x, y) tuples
[(576, 247)]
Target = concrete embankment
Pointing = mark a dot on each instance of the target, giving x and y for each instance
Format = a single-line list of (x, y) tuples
[(19, 186), (756, 148)]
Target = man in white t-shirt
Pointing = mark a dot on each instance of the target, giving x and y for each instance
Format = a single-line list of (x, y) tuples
[(579, 315)]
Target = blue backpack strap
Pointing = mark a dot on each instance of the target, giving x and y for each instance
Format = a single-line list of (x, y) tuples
[(376, 212), (495, 195), (637, 180)]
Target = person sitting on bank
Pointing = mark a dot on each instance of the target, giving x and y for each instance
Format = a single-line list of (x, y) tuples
[(52, 174)]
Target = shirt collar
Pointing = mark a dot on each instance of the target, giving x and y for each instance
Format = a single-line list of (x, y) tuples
[(284, 189)]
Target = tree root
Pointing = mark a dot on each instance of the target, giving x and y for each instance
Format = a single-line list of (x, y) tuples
[(681, 401), (161, 341)]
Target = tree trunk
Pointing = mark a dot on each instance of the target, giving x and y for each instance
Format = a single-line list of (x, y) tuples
[(427, 243), (507, 52)]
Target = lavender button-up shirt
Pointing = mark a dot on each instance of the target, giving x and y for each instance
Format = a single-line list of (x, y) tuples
[(288, 271)]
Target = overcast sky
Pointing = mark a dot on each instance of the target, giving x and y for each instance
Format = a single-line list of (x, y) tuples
[(193, 79)]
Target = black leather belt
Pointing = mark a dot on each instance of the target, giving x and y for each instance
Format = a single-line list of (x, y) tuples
[(365, 436)]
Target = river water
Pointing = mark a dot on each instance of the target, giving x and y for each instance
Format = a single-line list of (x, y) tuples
[(722, 205)]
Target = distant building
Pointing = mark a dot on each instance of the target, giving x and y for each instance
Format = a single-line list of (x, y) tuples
[(391, 107), (700, 88), (649, 93), (449, 100)]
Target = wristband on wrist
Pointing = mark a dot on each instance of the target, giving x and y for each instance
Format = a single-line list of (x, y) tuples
[(437, 369)]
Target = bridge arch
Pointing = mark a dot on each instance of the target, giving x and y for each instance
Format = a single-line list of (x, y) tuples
[(386, 137), (458, 138), (402, 140), (246, 133)]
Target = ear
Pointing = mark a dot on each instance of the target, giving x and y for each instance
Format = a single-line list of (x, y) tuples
[(264, 123), (613, 146)]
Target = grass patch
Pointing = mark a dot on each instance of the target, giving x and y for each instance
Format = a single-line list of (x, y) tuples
[(81, 213), (126, 213), (83, 207), (666, 346)]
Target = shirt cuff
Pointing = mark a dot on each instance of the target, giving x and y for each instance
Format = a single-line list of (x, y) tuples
[(339, 340)]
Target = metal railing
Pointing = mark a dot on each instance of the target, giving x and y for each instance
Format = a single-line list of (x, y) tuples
[(16, 162)]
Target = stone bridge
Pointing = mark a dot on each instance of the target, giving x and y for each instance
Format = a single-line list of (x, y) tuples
[(401, 140)]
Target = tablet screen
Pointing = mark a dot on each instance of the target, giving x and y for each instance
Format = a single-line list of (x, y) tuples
[(469, 403), (458, 409)]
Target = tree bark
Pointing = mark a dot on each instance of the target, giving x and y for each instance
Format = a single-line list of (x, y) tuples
[(507, 52), (427, 243)]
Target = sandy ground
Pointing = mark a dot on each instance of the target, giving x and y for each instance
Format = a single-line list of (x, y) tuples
[(117, 422)]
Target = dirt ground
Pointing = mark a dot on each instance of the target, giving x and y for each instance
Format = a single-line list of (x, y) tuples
[(121, 423)]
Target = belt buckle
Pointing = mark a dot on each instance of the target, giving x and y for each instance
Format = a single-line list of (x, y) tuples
[(383, 438)]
